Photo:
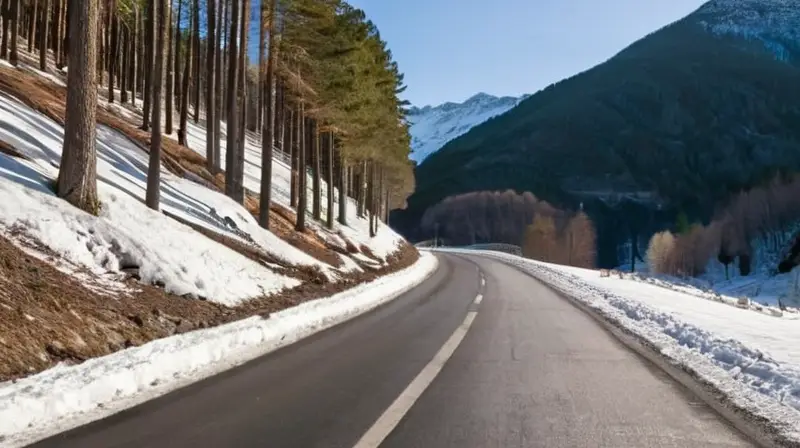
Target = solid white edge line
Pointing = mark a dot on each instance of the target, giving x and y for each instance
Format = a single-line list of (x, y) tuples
[(401, 405), (478, 299)]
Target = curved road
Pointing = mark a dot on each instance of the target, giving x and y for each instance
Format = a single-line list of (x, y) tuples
[(531, 371)]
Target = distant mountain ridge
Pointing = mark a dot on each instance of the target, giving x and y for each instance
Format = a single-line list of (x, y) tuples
[(674, 123), (433, 126)]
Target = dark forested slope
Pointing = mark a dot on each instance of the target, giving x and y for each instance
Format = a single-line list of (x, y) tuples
[(675, 122)]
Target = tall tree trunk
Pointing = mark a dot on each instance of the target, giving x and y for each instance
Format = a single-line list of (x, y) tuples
[(225, 35), (135, 56), (123, 72), (169, 80), (43, 35), (218, 94), (154, 169), (105, 28), (242, 119), (280, 112), (232, 144), (370, 202), (294, 138), (14, 58), (211, 108), (57, 7), (62, 36), (77, 176), (304, 137), (102, 42), (196, 55), (32, 27), (184, 112), (149, 42), (5, 9), (362, 185), (342, 189), (262, 62), (268, 121), (378, 197), (176, 87), (329, 148), (386, 206), (112, 54), (316, 207)]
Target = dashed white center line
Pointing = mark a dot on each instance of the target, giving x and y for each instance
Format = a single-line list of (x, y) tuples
[(478, 299), (483, 281), (402, 404)]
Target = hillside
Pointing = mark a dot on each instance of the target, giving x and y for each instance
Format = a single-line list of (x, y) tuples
[(675, 122), (77, 286), (433, 126)]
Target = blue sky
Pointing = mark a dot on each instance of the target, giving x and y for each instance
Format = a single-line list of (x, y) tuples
[(452, 49)]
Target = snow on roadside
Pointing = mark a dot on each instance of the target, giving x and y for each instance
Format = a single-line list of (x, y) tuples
[(752, 358), (65, 397)]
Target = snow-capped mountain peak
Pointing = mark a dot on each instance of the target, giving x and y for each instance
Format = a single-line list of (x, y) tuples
[(433, 126)]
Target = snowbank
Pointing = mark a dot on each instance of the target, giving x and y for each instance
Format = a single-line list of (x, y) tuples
[(65, 397), (752, 358)]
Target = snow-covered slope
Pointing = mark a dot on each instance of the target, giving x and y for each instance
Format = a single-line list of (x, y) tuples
[(432, 127), (128, 236)]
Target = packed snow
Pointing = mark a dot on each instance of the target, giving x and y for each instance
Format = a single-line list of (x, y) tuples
[(432, 127), (68, 396), (751, 357)]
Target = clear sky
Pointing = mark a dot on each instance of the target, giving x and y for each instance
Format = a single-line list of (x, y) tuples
[(452, 49)]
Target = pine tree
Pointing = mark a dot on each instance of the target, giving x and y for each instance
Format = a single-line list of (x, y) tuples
[(184, 109), (14, 24), (148, 42), (211, 136), (154, 169), (77, 176), (170, 80), (232, 143), (268, 121), (196, 59)]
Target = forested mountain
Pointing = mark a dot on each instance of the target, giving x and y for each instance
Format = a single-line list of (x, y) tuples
[(676, 122), (433, 126)]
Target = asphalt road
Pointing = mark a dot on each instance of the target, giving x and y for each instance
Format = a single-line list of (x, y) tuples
[(532, 371)]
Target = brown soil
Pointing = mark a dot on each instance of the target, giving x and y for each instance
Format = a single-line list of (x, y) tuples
[(47, 316), (7, 149)]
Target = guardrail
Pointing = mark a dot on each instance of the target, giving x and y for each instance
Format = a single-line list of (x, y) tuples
[(498, 247)]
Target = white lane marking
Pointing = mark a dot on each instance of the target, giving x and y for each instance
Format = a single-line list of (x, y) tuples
[(478, 299), (483, 281), (401, 405)]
